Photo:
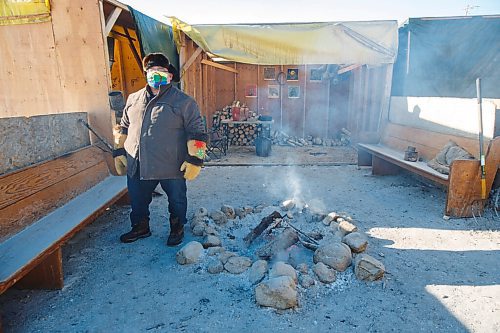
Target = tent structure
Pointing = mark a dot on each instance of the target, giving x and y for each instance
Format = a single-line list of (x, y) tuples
[(371, 43), (442, 57)]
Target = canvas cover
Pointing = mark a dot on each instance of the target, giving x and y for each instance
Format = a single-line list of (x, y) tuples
[(23, 12), (371, 43), (155, 36), (442, 57)]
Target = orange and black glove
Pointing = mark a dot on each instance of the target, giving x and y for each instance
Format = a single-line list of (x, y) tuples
[(119, 153), (194, 161)]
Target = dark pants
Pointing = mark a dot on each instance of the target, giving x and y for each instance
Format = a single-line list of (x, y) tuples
[(141, 195)]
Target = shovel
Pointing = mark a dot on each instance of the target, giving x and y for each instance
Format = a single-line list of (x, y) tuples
[(481, 151)]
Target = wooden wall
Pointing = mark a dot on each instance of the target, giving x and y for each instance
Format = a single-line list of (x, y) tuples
[(126, 73), (322, 109), (55, 67)]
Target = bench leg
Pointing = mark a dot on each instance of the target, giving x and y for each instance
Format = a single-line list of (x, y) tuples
[(364, 158), (47, 275), (381, 167)]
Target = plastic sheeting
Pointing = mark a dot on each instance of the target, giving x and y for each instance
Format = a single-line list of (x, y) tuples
[(442, 57), (372, 43), (23, 12), (155, 36)]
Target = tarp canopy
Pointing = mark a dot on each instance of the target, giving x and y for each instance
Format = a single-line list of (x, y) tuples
[(442, 57), (23, 12), (371, 43), (155, 36)]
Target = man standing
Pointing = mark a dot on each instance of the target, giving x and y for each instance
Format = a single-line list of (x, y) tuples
[(164, 139)]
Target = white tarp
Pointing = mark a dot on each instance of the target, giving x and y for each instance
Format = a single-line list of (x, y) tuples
[(371, 43)]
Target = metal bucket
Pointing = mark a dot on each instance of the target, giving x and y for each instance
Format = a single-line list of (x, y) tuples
[(116, 100), (263, 147)]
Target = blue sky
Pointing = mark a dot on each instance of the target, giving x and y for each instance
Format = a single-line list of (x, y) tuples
[(276, 11)]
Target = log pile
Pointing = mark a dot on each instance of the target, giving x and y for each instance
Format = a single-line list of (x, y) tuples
[(343, 138), (245, 134), (239, 134)]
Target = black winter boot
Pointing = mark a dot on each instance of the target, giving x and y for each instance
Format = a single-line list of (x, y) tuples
[(139, 230), (176, 232)]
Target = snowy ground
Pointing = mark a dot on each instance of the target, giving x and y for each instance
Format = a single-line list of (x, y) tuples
[(443, 276)]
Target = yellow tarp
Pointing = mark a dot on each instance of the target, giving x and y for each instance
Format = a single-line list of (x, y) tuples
[(24, 11), (371, 43)]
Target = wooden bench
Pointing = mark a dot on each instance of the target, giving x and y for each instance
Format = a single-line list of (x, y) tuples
[(462, 184), (43, 206)]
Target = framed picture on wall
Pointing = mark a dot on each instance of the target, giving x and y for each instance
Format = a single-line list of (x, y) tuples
[(251, 90), (293, 91), (269, 73), (316, 75), (292, 74), (273, 91)]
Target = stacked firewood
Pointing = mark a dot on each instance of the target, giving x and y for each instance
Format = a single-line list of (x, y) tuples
[(343, 138), (239, 134), (245, 134)]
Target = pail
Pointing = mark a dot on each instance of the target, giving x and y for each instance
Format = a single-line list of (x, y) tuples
[(263, 147), (116, 100)]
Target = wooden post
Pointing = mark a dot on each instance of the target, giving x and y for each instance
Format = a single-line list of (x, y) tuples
[(46, 275)]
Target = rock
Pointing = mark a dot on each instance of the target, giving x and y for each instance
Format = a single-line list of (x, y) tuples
[(356, 241), (248, 209), (303, 268), (189, 253), (287, 204), (209, 230), (201, 212), (215, 250), (306, 281), (240, 213), (257, 272), (368, 268), (197, 220), (237, 265), (258, 209), (211, 241), (347, 227), (218, 217), (324, 273), (229, 211), (329, 218), (215, 266), (199, 229), (224, 256), (282, 269), (334, 255), (278, 293)]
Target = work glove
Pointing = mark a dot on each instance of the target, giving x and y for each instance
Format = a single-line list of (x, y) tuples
[(119, 153), (194, 161)]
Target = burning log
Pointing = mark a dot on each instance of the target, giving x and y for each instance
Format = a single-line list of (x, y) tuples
[(286, 239), (259, 229)]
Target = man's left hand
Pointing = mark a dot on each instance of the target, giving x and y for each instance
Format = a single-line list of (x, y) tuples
[(191, 171)]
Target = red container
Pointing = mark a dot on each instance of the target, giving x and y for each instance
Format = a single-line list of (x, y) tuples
[(235, 113)]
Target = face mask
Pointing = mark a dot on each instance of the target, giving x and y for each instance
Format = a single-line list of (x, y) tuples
[(157, 79)]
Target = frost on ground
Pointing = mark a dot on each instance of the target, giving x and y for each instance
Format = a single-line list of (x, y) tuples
[(442, 275)]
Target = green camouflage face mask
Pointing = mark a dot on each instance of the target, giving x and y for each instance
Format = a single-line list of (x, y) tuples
[(157, 79)]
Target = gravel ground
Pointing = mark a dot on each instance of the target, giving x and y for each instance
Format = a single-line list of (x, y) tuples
[(442, 275)]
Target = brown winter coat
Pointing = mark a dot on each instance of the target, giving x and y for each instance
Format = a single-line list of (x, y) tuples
[(158, 132)]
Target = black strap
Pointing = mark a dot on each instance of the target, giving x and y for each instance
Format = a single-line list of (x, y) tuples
[(119, 152), (194, 160)]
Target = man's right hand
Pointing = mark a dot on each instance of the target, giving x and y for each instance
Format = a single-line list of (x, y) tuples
[(119, 152)]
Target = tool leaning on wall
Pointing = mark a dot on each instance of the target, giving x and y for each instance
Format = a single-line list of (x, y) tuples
[(481, 139), (117, 151)]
